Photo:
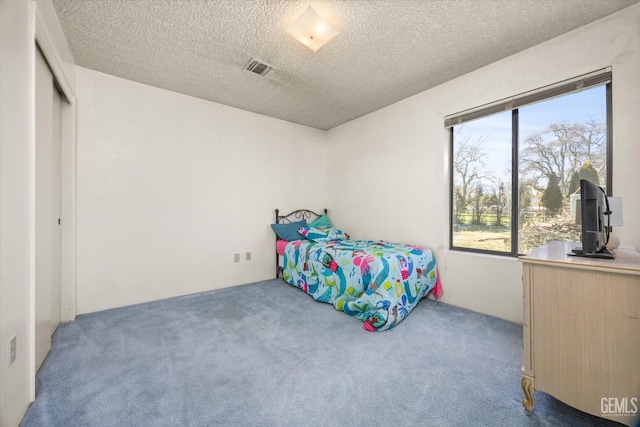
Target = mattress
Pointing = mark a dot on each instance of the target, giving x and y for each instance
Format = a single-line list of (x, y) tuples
[(378, 282)]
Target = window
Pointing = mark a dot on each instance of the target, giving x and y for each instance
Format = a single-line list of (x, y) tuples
[(513, 173)]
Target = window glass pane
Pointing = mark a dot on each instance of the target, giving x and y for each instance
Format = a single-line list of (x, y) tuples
[(482, 183), (561, 141)]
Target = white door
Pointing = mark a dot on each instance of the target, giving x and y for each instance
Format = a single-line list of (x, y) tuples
[(56, 199), (47, 229)]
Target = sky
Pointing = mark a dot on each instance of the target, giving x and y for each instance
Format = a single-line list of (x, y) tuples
[(575, 107)]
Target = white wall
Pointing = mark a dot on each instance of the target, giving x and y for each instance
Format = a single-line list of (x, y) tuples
[(17, 145), (171, 186), (388, 171)]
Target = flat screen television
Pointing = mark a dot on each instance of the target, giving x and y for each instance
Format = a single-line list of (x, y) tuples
[(594, 216)]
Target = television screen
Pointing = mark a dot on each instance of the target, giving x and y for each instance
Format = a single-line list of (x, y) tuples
[(594, 211)]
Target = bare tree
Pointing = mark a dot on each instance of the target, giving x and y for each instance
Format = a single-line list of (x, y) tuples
[(497, 197), (468, 161), (590, 140), (477, 199), (544, 157), (562, 149)]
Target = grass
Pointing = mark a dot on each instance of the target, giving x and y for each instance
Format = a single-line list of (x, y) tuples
[(533, 233), (485, 219), (479, 239)]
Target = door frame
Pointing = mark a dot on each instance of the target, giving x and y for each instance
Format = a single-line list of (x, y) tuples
[(64, 75)]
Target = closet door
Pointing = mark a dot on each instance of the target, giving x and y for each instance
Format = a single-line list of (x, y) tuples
[(56, 206), (47, 206)]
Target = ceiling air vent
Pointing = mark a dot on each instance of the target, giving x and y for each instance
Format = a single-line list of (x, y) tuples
[(258, 67)]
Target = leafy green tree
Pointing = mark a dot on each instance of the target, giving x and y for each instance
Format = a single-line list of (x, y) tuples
[(587, 171), (552, 196)]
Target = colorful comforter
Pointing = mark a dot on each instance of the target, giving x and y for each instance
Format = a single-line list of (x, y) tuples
[(377, 282)]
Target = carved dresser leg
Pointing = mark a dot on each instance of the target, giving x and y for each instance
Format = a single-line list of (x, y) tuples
[(528, 388)]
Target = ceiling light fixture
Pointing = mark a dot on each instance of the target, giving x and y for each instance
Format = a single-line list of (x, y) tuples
[(311, 30)]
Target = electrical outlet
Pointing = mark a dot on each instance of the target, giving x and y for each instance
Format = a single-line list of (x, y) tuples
[(236, 257), (12, 346), (248, 256)]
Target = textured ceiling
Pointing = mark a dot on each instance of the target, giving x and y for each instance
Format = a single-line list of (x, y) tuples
[(386, 51)]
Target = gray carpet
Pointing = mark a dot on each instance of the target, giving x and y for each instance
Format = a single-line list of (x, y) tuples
[(266, 354)]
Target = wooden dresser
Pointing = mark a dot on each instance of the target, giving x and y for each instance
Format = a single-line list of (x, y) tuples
[(582, 330)]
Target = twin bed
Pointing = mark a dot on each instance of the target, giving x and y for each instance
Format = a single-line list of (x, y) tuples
[(377, 282)]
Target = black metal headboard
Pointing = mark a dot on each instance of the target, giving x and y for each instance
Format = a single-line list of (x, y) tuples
[(297, 215)]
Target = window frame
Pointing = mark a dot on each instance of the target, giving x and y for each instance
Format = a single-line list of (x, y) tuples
[(515, 167)]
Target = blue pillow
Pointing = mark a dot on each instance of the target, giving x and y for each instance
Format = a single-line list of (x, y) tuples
[(322, 222), (289, 231)]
